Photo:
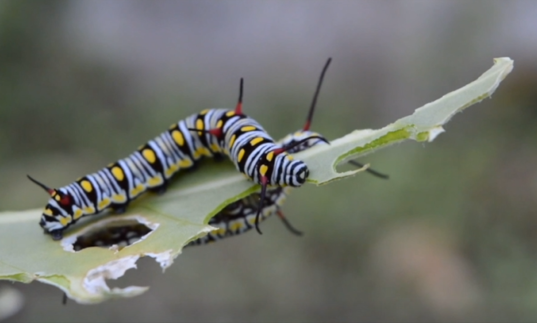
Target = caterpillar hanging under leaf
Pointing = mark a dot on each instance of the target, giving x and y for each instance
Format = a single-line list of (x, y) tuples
[(210, 133)]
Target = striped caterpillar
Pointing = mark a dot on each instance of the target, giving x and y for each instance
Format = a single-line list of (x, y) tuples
[(210, 133)]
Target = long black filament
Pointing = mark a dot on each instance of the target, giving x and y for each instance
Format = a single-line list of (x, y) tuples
[(288, 224), (43, 186), (316, 95), (369, 170), (298, 143)]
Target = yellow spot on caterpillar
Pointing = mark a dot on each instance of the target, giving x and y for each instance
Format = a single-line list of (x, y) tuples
[(241, 155), (170, 171), (230, 113), (65, 220), (215, 148), (204, 112), (268, 211), (109, 165), (118, 173), (86, 185), (119, 198), (178, 137), (220, 231), (137, 190), (104, 203), (155, 181), (251, 219), (236, 226), (255, 141), (270, 155), (173, 126), (199, 124), (219, 124), (202, 151), (185, 163), (149, 155), (247, 128), (263, 169), (89, 210), (78, 214), (290, 157), (57, 197), (47, 212), (232, 141), (280, 200)]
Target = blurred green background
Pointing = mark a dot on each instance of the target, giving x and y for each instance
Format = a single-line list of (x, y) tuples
[(452, 236)]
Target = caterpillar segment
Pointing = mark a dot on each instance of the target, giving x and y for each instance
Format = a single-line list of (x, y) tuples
[(210, 133)]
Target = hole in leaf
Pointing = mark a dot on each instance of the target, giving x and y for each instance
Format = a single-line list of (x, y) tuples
[(115, 234), (120, 234)]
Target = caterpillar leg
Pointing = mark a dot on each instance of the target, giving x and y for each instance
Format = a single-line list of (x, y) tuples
[(219, 157), (120, 208), (159, 190), (56, 234), (192, 168)]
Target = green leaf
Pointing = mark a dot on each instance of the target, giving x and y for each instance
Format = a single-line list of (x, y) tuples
[(181, 214)]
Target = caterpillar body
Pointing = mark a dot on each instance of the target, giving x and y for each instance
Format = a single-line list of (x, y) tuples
[(210, 133)]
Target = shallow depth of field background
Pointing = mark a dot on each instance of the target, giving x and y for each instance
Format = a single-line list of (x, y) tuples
[(452, 236)]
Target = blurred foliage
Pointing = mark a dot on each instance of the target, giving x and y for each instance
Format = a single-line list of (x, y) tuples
[(450, 237)]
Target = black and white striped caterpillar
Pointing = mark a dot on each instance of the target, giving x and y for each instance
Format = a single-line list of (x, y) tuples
[(210, 133)]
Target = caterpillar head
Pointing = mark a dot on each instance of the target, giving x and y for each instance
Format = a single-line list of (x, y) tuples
[(287, 171), (58, 213), (296, 172)]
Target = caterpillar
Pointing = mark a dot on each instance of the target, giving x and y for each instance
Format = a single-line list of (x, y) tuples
[(210, 133), (239, 216)]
